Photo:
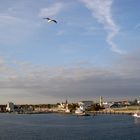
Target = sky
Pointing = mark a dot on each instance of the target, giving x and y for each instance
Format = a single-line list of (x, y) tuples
[(92, 51)]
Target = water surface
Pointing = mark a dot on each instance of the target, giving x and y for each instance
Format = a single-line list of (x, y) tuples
[(68, 127)]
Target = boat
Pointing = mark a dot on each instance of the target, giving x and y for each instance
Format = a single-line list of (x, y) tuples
[(81, 112), (137, 114)]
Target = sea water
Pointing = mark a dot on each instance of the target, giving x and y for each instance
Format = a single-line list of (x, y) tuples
[(68, 127)]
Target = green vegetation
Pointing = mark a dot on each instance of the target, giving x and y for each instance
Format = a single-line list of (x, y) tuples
[(95, 107)]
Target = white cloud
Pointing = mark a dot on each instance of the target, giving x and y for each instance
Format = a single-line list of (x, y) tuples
[(101, 9), (52, 10), (2, 61)]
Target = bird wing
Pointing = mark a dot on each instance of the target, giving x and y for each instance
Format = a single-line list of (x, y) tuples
[(47, 18), (54, 21), (50, 20)]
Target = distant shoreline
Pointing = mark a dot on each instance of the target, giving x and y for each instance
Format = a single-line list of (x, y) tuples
[(92, 113)]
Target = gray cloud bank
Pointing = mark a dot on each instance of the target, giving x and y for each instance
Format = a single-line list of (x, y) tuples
[(27, 82)]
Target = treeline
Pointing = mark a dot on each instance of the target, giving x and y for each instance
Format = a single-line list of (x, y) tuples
[(72, 107)]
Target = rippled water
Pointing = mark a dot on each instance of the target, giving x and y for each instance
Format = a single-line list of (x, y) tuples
[(68, 127)]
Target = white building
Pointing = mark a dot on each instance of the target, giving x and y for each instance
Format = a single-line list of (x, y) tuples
[(64, 107), (10, 107), (85, 104)]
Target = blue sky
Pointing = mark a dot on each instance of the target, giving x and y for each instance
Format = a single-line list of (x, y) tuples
[(93, 50)]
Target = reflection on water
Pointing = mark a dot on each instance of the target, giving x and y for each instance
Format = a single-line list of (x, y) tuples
[(137, 120)]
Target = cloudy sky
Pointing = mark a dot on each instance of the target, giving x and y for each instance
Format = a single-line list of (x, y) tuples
[(93, 51)]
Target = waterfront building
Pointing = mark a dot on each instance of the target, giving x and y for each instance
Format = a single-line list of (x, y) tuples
[(67, 109), (10, 107), (85, 104), (63, 107)]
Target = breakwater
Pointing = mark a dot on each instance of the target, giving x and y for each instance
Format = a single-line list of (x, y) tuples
[(112, 112)]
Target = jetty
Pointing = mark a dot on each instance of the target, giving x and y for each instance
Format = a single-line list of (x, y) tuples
[(112, 112)]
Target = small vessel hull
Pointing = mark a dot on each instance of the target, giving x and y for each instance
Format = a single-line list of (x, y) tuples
[(82, 114), (137, 115)]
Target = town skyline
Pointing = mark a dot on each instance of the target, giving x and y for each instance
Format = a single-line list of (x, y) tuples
[(92, 51)]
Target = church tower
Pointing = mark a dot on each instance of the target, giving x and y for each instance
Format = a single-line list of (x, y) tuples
[(101, 101)]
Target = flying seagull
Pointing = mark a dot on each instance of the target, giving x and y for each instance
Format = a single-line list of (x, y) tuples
[(50, 20)]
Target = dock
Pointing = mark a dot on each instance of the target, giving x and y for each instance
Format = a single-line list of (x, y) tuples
[(112, 112)]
